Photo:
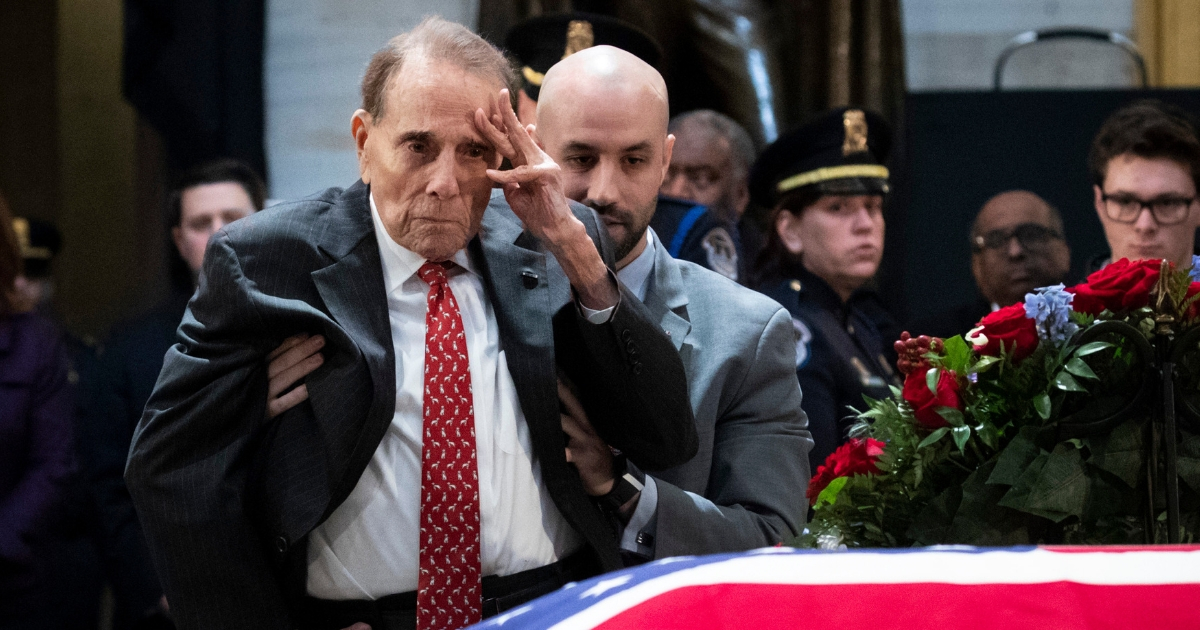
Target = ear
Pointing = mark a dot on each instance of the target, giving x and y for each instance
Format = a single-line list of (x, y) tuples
[(533, 134), (741, 198), (668, 149), (360, 128), (1098, 201), (977, 272), (787, 227)]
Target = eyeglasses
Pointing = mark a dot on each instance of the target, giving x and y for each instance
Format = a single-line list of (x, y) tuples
[(1165, 210), (1031, 236)]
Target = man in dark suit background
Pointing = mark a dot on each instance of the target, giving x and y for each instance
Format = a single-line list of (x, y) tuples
[(312, 518), (1017, 245)]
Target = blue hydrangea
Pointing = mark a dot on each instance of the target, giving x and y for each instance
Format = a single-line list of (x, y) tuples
[(1050, 308), (1194, 274)]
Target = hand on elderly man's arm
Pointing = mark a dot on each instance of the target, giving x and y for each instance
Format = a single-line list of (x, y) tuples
[(534, 190)]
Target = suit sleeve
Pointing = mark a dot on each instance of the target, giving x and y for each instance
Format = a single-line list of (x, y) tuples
[(760, 468), (630, 377), (188, 463)]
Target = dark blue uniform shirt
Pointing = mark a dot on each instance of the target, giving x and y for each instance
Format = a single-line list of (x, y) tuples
[(841, 354), (694, 233)]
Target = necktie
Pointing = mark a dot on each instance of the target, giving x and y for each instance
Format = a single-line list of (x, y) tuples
[(448, 587)]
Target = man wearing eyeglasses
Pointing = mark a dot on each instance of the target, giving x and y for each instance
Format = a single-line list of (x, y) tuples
[(1017, 245), (1145, 164)]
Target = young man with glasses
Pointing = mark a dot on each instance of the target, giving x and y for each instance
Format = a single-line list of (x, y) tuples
[(1017, 245), (1145, 165)]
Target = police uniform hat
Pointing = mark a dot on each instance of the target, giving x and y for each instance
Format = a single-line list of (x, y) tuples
[(39, 242), (841, 153), (543, 41)]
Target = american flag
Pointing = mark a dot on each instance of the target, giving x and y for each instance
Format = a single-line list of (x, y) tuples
[(935, 587)]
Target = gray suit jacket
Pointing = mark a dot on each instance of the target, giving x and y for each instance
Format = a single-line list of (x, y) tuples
[(745, 488), (227, 497)]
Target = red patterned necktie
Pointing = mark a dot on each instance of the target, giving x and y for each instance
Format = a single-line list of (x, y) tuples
[(448, 588)]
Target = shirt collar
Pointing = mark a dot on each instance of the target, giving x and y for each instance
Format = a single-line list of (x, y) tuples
[(399, 262), (636, 273)]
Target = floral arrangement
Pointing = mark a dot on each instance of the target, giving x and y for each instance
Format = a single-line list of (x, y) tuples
[(981, 445)]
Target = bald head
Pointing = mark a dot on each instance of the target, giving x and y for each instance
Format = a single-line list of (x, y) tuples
[(602, 115), (1018, 246), (1013, 207), (605, 74)]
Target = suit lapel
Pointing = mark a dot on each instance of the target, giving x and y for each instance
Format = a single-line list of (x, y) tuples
[(520, 290), (666, 298), (353, 291)]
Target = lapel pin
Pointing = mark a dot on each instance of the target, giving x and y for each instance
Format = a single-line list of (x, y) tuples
[(529, 279)]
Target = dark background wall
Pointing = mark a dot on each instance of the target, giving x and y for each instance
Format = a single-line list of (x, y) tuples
[(962, 148)]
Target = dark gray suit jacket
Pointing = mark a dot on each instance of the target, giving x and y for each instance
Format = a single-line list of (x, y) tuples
[(228, 497), (745, 488)]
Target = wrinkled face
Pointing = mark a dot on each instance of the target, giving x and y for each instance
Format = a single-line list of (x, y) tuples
[(1148, 179), (203, 210), (840, 238), (702, 170), (613, 156), (1005, 274), (424, 159)]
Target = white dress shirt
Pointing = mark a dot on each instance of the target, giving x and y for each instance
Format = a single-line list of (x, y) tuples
[(369, 546)]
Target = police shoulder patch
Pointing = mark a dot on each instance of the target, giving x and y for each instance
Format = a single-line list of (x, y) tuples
[(721, 252), (803, 339)]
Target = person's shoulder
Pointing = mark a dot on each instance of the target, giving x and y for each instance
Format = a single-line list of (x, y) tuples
[(711, 288), (292, 219)]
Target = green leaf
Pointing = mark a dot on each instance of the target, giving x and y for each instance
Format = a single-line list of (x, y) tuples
[(961, 435), (1041, 404), (1067, 382), (1189, 460), (988, 433), (830, 493), (1015, 458), (951, 415), (1079, 368), (1121, 452), (984, 363), (1091, 348), (934, 437), (1062, 486), (956, 354), (931, 380)]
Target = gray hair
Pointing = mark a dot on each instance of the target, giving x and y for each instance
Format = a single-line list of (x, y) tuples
[(741, 147), (439, 40)]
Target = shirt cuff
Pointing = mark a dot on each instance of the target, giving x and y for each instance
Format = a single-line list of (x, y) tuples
[(596, 317), (602, 316), (632, 538)]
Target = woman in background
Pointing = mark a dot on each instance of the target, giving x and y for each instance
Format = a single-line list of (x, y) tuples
[(36, 447), (826, 183)]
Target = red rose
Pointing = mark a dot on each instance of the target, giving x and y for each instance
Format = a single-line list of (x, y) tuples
[(1120, 286), (855, 457), (1009, 326), (1193, 311), (925, 403)]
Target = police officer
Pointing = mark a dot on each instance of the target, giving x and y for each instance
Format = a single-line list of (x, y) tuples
[(825, 183), (691, 231)]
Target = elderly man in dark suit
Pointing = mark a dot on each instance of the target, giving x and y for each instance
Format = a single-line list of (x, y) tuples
[(415, 467)]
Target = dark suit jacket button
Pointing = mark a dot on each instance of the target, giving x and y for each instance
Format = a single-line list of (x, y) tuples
[(637, 368), (631, 348), (281, 544), (626, 335)]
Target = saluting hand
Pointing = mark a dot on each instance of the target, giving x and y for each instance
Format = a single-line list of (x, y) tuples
[(534, 190)]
